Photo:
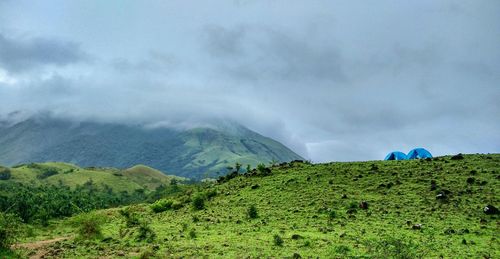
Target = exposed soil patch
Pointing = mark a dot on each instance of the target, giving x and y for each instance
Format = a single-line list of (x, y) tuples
[(39, 247)]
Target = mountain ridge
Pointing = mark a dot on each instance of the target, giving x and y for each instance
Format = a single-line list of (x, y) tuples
[(196, 153)]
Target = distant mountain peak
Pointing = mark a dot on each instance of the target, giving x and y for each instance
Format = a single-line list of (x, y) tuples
[(204, 150)]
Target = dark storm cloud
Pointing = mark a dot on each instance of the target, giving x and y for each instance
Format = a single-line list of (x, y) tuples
[(18, 55)]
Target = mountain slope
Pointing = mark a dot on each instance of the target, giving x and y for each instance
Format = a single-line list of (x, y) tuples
[(377, 209), (129, 180), (194, 153)]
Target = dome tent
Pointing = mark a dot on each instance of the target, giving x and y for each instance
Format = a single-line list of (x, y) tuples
[(419, 153), (395, 155)]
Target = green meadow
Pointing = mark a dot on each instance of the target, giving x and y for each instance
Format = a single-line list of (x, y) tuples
[(432, 208)]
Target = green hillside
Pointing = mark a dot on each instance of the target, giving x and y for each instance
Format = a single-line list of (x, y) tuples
[(195, 153), (378, 209), (129, 180)]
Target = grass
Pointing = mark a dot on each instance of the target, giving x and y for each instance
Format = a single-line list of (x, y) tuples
[(137, 177), (314, 211)]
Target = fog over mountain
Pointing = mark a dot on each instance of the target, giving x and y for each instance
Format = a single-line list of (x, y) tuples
[(332, 80)]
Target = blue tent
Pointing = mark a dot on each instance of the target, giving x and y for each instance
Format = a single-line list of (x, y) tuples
[(395, 155), (419, 153)]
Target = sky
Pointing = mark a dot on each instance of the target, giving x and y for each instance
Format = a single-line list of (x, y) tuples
[(332, 80)]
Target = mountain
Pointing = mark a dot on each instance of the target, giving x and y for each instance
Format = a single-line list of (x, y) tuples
[(194, 153)]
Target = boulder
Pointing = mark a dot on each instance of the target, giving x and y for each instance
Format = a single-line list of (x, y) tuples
[(363, 205), (491, 210)]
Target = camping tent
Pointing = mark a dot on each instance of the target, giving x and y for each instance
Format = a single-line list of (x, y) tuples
[(395, 155), (418, 153)]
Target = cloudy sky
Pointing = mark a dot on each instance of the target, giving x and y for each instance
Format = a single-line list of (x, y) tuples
[(333, 80)]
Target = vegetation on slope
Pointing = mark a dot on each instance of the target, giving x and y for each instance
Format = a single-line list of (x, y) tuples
[(68, 175), (194, 153), (39, 192), (395, 209)]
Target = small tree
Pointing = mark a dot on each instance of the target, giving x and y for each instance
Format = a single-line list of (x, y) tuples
[(10, 230), (278, 241), (237, 167), (252, 212), (199, 201), (4, 173), (89, 225)]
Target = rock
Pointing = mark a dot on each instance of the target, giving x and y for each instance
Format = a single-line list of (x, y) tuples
[(363, 205), (417, 227), (457, 157), (441, 196), (491, 210)]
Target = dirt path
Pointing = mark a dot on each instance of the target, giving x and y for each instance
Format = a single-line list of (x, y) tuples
[(39, 246)]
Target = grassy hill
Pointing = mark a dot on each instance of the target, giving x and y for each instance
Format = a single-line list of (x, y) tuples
[(56, 173), (193, 153), (376, 209)]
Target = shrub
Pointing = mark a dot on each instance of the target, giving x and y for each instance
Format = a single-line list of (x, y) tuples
[(161, 205), (199, 202), (131, 219), (210, 194), (192, 234), (4, 173), (332, 214), (89, 225), (263, 170), (342, 250), (10, 230), (252, 212), (47, 172), (176, 205), (145, 232), (278, 241)]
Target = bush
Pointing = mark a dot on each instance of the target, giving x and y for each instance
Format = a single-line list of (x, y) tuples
[(252, 212), (176, 205), (89, 225), (10, 230), (332, 214), (210, 194), (131, 219), (47, 172), (4, 173), (263, 170), (145, 232), (199, 202), (161, 205), (192, 234), (278, 241)]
